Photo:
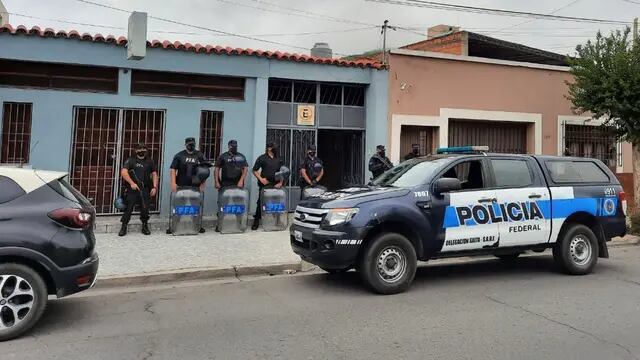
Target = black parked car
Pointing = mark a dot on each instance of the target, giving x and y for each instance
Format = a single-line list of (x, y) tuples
[(46, 247)]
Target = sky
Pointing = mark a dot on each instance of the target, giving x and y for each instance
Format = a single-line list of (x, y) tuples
[(349, 26)]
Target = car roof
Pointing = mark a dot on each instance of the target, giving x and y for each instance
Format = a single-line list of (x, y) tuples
[(30, 179)]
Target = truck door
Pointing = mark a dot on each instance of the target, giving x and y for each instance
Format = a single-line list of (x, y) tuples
[(523, 207), (466, 223)]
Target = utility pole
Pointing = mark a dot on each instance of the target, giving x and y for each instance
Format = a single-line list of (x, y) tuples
[(385, 26), (635, 31)]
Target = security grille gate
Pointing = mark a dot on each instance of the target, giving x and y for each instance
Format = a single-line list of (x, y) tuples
[(501, 137), (103, 138), (591, 141), (16, 133)]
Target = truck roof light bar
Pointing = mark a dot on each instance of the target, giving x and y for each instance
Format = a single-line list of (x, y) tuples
[(462, 150)]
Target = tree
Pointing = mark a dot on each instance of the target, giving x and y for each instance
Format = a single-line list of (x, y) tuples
[(606, 85)]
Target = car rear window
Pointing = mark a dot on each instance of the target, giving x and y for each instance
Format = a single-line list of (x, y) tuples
[(62, 187), (10, 190), (576, 172), (511, 173)]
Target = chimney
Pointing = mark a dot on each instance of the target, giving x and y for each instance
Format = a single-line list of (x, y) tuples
[(441, 30), (321, 50), (137, 36), (4, 15)]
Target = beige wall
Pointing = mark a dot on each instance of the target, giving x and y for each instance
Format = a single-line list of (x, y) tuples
[(424, 86)]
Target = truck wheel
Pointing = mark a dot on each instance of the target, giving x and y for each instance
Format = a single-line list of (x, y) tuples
[(388, 264), (576, 251), (23, 298)]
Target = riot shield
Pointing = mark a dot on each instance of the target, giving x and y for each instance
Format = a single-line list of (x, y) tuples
[(274, 209), (186, 211), (313, 191), (232, 211)]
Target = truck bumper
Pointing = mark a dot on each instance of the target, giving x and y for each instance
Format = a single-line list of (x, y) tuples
[(329, 249)]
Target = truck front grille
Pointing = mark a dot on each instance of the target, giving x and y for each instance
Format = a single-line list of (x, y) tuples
[(309, 217)]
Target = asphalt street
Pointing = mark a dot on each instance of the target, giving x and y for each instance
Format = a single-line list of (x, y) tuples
[(482, 309)]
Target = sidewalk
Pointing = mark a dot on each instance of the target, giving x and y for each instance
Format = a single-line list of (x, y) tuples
[(137, 254)]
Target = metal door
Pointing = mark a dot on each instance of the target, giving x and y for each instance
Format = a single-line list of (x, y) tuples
[(501, 137), (102, 139), (421, 135)]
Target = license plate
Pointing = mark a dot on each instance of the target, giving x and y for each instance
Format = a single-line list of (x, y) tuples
[(297, 235)]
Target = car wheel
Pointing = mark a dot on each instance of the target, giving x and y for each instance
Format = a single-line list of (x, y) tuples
[(577, 250), (23, 298), (336, 271), (389, 263)]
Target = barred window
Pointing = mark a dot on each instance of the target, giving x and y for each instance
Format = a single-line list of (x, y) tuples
[(210, 133), (16, 133)]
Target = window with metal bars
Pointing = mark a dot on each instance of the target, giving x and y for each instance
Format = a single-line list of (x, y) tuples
[(211, 133), (598, 142), (58, 76), (16, 133), (145, 82)]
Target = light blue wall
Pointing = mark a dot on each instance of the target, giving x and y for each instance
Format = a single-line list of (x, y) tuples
[(243, 120)]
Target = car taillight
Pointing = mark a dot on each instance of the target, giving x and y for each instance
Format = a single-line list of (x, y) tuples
[(622, 197), (71, 218)]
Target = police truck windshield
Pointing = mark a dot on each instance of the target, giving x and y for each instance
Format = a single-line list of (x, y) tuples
[(410, 173)]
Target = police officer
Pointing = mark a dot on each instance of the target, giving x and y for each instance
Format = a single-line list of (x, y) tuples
[(140, 176), (230, 170), (265, 170), (184, 167), (311, 170), (379, 162), (415, 152)]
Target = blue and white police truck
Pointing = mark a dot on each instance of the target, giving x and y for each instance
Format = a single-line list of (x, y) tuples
[(463, 202)]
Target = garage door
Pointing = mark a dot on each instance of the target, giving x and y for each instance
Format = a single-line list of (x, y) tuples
[(500, 137)]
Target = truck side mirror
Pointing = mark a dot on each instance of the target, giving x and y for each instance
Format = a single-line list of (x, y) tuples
[(445, 185)]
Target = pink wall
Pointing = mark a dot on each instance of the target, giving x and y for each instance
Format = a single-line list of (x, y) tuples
[(432, 84)]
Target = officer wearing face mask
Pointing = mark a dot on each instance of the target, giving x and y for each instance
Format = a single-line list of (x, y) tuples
[(230, 170), (379, 163), (184, 167), (265, 170), (415, 152), (140, 176), (311, 170)]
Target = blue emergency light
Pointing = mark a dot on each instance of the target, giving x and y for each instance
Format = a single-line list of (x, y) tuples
[(462, 149)]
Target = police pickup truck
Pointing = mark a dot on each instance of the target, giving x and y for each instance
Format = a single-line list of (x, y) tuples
[(463, 202)]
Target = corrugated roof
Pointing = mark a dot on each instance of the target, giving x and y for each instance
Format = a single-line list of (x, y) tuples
[(197, 48)]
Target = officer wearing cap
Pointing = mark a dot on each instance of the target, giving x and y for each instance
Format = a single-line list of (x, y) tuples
[(140, 176), (184, 167), (230, 170), (415, 152), (265, 170), (311, 169), (379, 162)]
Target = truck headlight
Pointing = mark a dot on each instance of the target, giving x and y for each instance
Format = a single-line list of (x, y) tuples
[(340, 216)]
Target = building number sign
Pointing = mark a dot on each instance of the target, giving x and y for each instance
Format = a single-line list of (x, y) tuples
[(306, 115)]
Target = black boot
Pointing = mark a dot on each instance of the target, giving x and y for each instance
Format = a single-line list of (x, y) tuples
[(256, 224), (145, 229), (123, 230)]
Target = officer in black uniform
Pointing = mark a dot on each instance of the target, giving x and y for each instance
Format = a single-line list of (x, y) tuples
[(265, 170), (183, 168), (379, 163), (140, 176), (311, 170), (415, 152), (230, 170)]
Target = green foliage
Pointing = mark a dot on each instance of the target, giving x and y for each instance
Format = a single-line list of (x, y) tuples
[(607, 83), (634, 227)]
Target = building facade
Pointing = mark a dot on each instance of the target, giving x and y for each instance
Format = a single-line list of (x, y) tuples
[(74, 103)]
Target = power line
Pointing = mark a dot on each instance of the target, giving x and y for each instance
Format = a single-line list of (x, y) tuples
[(66, 21), (200, 27), (632, 2), (551, 13), (493, 11)]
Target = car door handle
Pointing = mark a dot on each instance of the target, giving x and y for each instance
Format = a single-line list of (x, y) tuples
[(535, 196), (424, 205), (487, 200)]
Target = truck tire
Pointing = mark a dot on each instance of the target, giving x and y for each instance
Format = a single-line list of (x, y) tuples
[(576, 251), (23, 299), (388, 264)]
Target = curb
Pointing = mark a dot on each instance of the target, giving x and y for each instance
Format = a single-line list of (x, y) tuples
[(196, 274)]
